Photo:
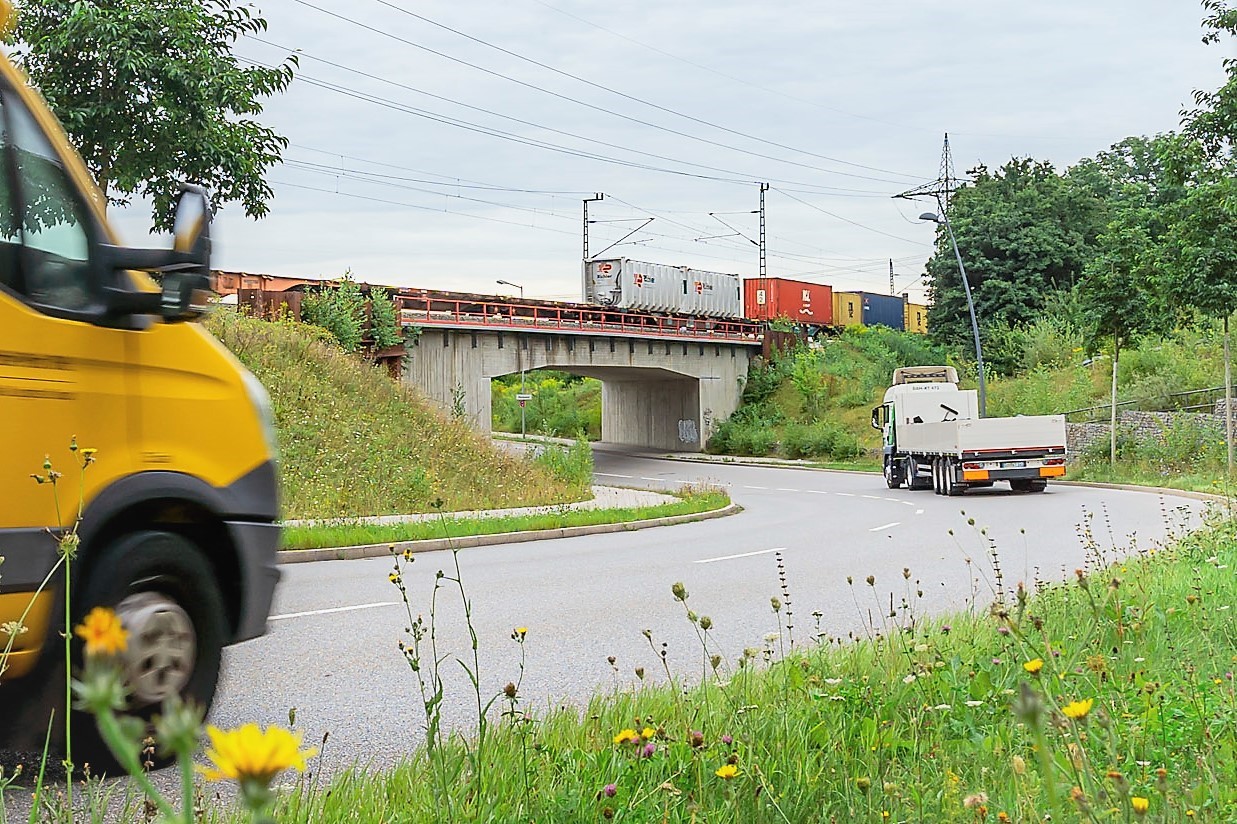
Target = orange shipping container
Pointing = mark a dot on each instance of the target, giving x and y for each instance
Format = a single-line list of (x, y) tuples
[(773, 298)]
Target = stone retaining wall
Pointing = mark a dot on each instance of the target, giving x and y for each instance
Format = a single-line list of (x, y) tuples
[(1142, 425)]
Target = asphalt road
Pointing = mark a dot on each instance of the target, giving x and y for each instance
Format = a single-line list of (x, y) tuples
[(332, 649)]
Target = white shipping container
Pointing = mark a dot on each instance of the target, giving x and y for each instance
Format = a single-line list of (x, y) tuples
[(654, 287)]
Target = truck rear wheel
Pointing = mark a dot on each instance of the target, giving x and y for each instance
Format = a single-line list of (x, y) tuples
[(913, 479), (953, 487), (165, 592)]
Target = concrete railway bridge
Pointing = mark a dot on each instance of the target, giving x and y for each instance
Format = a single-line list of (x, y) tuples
[(667, 383)]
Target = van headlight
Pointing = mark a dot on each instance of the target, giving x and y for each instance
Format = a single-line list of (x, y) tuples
[(261, 401)]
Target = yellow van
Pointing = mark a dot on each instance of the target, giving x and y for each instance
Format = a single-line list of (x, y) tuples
[(179, 525)]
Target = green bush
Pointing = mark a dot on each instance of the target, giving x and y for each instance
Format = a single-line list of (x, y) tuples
[(572, 465), (820, 440), (339, 310), (562, 404)]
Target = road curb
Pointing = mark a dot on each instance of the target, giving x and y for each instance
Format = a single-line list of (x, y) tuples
[(351, 553)]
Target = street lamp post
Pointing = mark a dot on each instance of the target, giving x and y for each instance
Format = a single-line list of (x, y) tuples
[(515, 285), (943, 218)]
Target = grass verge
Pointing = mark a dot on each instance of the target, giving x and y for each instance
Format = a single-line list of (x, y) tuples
[(1109, 697), (354, 534)]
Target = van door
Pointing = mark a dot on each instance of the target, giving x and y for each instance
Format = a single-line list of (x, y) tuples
[(62, 375)]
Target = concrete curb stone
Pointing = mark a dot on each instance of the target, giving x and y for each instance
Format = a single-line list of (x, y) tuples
[(298, 556)]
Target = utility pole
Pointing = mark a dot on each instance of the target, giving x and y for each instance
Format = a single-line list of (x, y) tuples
[(891, 289), (763, 278), (596, 197)]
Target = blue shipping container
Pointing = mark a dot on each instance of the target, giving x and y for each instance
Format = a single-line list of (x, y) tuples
[(886, 310)]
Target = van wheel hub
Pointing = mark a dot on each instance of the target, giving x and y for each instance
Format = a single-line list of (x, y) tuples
[(162, 646)]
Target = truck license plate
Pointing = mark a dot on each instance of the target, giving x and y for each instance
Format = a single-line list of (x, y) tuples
[(1013, 464)]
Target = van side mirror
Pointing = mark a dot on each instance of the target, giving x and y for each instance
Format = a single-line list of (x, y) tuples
[(878, 414), (184, 270)]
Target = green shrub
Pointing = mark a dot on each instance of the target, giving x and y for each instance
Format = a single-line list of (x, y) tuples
[(339, 310), (572, 465), (820, 440)]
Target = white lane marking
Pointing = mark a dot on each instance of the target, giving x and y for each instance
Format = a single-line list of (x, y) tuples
[(844, 494), (612, 475), (332, 610), (884, 527), (909, 503), (781, 489), (653, 479), (818, 491), (894, 500), (756, 487), (872, 497), (918, 511), (741, 555)]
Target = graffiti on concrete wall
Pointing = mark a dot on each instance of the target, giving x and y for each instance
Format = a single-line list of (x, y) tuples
[(687, 431)]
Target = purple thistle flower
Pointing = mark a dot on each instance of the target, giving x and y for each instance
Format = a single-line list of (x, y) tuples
[(726, 739), (609, 790), (649, 749)]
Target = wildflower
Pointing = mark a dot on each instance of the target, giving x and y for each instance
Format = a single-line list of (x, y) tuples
[(910, 679), (394, 578), (1077, 710), (1034, 665), (650, 749), (727, 771), (1002, 630), (945, 629), (727, 740), (942, 707), (1140, 804), (518, 634), (249, 754), (626, 737), (609, 790), (510, 691), (647, 733), (103, 632), (975, 800), (1003, 817), (974, 703), (696, 739)]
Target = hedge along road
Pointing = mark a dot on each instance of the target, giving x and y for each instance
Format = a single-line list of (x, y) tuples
[(332, 647)]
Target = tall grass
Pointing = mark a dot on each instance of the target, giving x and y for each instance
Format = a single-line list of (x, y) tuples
[(352, 442), (562, 405), (1108, 697)]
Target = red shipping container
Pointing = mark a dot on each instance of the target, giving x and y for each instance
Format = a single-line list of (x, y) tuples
[(773, 298)]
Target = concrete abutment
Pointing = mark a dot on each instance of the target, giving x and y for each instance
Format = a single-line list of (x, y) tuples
[(656, 393)]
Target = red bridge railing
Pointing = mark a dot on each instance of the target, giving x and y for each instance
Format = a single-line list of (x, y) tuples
[(479, 312)]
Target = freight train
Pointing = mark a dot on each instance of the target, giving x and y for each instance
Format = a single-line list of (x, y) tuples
[(623, 283)]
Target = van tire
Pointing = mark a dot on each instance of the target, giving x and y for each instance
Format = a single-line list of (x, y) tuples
[(163, 581)]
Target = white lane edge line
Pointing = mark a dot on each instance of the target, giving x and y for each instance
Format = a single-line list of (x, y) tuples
[(845, 494), (818, 491), (884, 527), (740, 555), (332, 610), (918, 511), (611, 475), (908, 503), (783, 489), (756, 487), (872, 497)]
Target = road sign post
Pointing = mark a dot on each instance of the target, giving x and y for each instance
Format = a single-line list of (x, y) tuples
[(523, 398)]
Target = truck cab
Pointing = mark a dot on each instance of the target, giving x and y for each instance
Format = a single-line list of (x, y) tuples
[(160, 443)]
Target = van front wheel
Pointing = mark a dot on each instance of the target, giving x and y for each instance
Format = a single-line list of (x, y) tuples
[(165, 592)]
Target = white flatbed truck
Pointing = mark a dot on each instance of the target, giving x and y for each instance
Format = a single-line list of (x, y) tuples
[(934, 438)]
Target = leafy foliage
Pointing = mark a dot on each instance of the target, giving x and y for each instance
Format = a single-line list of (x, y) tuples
[(343, 310), (151, 94)]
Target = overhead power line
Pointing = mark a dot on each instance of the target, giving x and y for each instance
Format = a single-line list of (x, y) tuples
[(848, 220), (639, 100), (736, 177), (577, 101)]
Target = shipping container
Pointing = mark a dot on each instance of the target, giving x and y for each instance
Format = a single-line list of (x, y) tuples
[(868, 308), (773, 298), (847, 308), (654, 287), (882, 310), (916, 318)]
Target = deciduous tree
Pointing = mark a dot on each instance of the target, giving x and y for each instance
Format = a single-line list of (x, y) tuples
[(151, 94)]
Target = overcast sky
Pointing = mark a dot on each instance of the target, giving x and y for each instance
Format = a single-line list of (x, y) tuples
[(681, 108)]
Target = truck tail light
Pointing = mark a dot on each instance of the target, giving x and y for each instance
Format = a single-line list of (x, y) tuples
[(1054, 461), (971, 467)]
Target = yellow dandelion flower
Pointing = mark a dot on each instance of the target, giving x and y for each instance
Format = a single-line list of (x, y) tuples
[(727, 771), (1078, 710), (1034, 665), (647, 733), (626, 736), (252, 754), (1140, 804), (103, 632), (521, 631)]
